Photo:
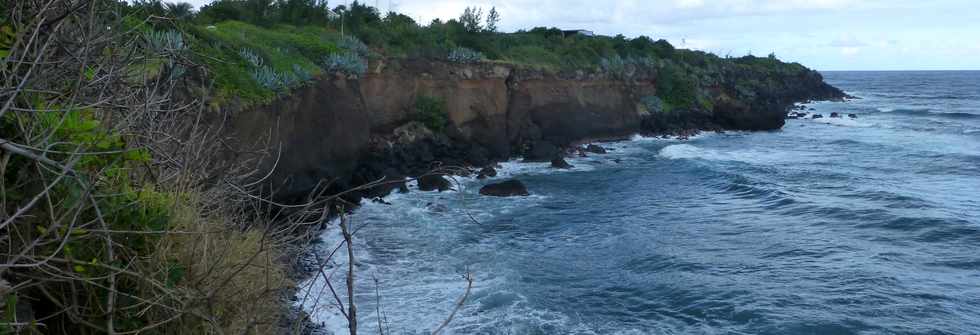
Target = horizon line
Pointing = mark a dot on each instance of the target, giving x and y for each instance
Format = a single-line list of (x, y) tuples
[(910, 70)]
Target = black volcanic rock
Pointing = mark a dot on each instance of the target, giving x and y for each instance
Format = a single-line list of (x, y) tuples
[(434, 182), (541, 151), (487, 172), (560, 163), (595, 149), (508, 188)]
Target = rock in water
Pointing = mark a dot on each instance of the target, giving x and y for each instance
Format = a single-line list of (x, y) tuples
[(487, 172), (834, 115), (595, 149), (437, 208), (853, 116), (560, 163), (510, 188), (541, 151), (433, 182), (817, 116)]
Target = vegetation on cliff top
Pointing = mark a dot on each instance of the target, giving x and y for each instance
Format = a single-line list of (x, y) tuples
[(299, 39)]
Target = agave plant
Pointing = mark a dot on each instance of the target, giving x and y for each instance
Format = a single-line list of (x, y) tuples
[(348, 63), (169, 41), (301, 74), (269, 78), (176, 70), (250, 57), (353, 45), (465, 56)]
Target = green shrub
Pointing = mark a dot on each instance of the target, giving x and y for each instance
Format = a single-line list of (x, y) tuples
[(431, 111), (676, 87)]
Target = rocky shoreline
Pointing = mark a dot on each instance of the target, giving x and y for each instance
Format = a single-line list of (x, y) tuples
[(355, 130), (352, 131)]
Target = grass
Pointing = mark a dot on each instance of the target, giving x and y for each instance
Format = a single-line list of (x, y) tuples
[(282, 48)]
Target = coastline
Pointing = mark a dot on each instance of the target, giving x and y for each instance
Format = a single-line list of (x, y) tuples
[(308, 264)]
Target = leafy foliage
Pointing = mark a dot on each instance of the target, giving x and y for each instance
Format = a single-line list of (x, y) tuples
[(493, 18), (431, 111), (472, 19)]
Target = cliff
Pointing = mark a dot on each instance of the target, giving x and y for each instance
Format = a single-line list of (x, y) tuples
[(351, 131)]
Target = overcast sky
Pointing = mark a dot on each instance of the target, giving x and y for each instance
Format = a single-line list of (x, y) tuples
[(822, 34)]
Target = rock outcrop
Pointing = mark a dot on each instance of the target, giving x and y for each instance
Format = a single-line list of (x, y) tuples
[(510, 188), (560, 163), (434, 182)]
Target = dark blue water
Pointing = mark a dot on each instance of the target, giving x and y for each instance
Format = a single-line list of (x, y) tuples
[(832, 226)]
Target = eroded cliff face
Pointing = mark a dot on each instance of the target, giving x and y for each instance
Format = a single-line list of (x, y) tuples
[(351, 131)]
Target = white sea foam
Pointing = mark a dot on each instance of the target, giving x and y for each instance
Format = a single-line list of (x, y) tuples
[(842, 121), (759, 157), (668, 138), (686, 151), (419, 287)]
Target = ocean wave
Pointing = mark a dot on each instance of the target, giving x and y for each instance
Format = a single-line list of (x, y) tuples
[(928, 112), (844, 122), (689, 151), (669, 138)]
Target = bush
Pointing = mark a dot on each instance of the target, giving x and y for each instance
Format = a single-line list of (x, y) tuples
[(676, 87), (431, 111)]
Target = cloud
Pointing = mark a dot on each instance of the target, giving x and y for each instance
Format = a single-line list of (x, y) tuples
[(847, 41), (849, 51)]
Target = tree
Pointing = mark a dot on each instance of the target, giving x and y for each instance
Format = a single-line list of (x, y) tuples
[(181, 10), (492, 19), (471, 19)]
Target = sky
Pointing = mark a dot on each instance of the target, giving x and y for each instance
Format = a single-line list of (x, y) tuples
[(825, 35)]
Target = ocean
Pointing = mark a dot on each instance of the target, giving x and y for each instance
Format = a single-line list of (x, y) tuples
[(868, 225)]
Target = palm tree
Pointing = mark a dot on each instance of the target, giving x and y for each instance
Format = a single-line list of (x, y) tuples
[(180, 10)]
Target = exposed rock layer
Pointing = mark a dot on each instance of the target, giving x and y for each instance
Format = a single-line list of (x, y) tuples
[(352, 131)]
